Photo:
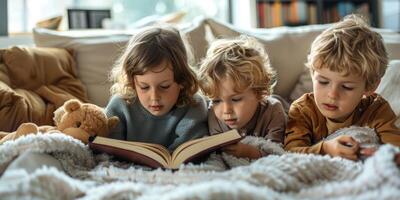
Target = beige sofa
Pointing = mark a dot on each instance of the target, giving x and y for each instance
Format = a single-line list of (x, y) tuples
[(286, 46), (95, 51)]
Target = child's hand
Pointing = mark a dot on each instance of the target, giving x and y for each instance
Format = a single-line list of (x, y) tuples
[(241, 150), (344, 146), (366, 152)]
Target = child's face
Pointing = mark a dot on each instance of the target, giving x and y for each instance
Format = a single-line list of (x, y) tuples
[(157, 90), (336, 96), (235, 109)]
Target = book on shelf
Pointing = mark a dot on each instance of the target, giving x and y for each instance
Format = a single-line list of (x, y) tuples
[(155, 155)]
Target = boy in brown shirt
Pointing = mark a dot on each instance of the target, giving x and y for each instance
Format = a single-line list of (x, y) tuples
[(236, 76), (346, 62)]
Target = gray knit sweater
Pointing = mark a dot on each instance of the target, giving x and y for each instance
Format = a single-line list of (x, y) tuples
[(170, 130)]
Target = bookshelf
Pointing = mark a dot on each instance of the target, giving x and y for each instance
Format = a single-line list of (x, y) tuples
[(273, 13)]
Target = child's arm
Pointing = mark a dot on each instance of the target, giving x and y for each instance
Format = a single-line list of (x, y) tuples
[(299, 139), (276, 126), (115, 107), (305, 133), (384, 124), (241, 150), (300, 136)]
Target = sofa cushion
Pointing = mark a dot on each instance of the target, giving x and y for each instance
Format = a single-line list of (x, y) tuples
[(389, 87), (304, 85), (34, 82), (95, 52), (11, 107), (19, 105), (31, 68), (196, 39)]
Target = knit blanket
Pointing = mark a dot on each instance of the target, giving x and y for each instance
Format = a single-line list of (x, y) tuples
[(284, 176)]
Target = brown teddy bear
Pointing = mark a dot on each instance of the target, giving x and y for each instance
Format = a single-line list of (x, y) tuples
[(79, 120)]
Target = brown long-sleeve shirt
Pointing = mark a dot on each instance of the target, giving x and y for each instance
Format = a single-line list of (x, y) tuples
[(269, 121), (307, 127)]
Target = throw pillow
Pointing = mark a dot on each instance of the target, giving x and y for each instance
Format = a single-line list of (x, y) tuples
[(195, 36), (96, 52), (34, 82), (11, 106), (303, 85), (389, 87)]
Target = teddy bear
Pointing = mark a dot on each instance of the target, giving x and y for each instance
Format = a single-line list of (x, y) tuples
[(79, 120)]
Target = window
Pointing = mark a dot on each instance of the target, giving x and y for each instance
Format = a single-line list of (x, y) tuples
[(391, 16), (24, 14)]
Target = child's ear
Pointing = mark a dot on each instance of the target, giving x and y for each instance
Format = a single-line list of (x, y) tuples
[(372, 90)]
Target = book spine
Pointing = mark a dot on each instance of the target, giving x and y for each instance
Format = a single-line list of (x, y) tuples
[(126, 155)]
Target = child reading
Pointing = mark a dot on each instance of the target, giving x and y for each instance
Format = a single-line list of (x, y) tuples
[(154, 91), (236, 76), (154, 96), (346, 62)]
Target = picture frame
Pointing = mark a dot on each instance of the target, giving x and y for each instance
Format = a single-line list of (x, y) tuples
[(87, 18)]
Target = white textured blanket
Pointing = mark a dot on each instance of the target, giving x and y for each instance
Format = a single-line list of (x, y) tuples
[(287, 176)]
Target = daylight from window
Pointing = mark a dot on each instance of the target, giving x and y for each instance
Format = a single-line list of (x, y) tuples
[(23, 15)]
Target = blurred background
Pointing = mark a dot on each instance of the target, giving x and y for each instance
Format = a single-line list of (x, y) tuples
[(20, 16)]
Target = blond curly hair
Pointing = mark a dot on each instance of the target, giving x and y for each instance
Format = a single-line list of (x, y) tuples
[(242, 59), (350, 46)]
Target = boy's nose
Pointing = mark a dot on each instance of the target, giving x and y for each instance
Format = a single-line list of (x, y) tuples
[(333, 93)]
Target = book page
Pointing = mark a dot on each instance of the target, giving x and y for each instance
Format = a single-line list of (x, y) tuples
[(139, 147), (159, 149), (194, 147), (187, 144)]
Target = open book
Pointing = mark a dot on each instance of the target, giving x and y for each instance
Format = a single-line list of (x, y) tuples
[(155, 155)]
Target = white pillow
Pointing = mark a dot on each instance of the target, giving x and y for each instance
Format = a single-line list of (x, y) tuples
[(389, 87)]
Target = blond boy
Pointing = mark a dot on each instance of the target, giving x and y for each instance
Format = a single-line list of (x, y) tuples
[(347, 62), (236, 77)]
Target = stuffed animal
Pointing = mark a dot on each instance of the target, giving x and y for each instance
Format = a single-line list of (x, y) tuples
[(79, 120)]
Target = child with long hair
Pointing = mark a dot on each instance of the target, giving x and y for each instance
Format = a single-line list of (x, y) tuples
[(154, 94)]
